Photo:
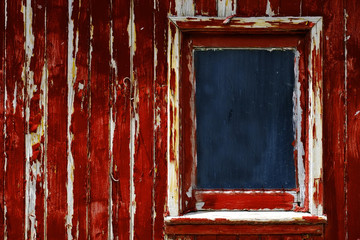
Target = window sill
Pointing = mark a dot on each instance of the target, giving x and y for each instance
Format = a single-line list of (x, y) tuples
[(245, 223)]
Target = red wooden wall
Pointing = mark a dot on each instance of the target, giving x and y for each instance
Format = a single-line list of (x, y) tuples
[(83, 86)]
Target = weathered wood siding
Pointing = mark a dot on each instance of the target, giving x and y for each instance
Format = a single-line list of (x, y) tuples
[(83, 105)]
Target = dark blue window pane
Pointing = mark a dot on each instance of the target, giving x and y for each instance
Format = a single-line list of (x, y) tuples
[(244, 115)]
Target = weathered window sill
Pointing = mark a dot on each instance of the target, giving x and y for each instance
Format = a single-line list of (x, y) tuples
[(245, 223)]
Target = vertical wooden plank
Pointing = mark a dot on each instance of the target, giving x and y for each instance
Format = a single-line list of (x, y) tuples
[(206, 7), (290, 8), (99, 121), (120, 119), (56, 52), (206, 237), (226, 8), (188, 237), (352, 38), (251, 8), (14, 196), (2, 114), (226, 237), (143, 117), (160, 118), (78, 124), (334, 109), (36, 119), (245, 237)]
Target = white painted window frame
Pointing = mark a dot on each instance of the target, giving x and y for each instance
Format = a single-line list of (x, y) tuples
[(314, 114)]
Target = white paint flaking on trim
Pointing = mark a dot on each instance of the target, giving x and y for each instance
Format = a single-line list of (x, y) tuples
[(251, 216), (226, 8), (184, 7), (269, 23), (173, 129), (297, 120), (315, 119), (71, 78)]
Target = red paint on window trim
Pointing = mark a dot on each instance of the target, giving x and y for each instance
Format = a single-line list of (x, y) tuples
[(189, 195)]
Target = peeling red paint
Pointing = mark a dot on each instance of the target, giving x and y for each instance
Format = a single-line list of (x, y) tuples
[(99, 161), (56, 49), (93, 99), (251, 8), (206, 7), (79, 119), (14, 182), (244, 229), (318, 194), (120, 102), (2, 115), (352, 157), (161, 123), (246, 201), (37, 111), (143, 108)]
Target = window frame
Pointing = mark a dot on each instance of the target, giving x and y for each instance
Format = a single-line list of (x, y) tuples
[(283, 32)]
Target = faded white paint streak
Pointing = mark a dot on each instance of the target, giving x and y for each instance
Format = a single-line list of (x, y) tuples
[(185, 7), (112, 123), (5, 110), (71, 78), (156, 121), (32, 169), (226, 8), (44, 103), (134, 116), (269, 11)]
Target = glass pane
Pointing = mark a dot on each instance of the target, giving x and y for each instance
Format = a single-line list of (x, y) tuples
[(244, 115)]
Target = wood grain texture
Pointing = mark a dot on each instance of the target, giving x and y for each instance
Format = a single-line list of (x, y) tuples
[(206, 237), (36, 103), (160, 117), (251, 8), (120, 104), (290, 8), (99, 121), (105, 89), (352, 35), (224, 237), (79, 123), (56, 52), (143, 117), (334, 112), (2, 115), (244, 229), (14, 169), (206, 7), (213, 200)]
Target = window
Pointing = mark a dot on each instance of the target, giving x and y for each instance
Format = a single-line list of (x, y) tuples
[(243, 93)]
